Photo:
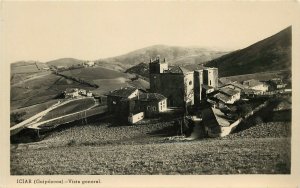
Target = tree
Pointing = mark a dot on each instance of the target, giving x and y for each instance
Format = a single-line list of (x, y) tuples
[(188, 94)]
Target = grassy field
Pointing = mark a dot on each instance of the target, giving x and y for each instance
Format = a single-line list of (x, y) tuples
[(34, 109), (263, 76), (69, 108), (26, 91), (41, 90), (112, 148), (96, 73), (33, 92)]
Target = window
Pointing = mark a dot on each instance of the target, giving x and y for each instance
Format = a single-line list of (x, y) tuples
[(210, 82), (190, 82), (154, 108), (148, 107)]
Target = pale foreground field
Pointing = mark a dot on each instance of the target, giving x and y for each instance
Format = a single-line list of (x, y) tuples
[(102, 148)]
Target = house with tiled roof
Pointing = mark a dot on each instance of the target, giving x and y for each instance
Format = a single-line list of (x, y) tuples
[(120, 102), (256, 85), (213, 120), (151, 103), (216, 124), (71, 93), (131, 103), (276, 84), (228, 95), (236, 86)]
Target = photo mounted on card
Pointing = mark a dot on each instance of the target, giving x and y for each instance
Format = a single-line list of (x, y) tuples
[(149, 88)]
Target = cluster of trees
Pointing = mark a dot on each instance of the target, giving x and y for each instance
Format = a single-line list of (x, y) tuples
[(16, 117)]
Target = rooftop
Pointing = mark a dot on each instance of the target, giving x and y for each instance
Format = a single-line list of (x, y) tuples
[(151, 97), (206, 87), (122, 92), (177, 70), (238, 85), (276, 81), (224, 81), (214, 118), (252, 83), (220, 117), (222, 97), (228, 91)]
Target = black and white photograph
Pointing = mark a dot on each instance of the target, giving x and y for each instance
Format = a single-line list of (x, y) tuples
[(149, 88)]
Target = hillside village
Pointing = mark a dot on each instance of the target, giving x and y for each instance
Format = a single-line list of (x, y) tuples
[(202, 100), (155, 109), (199, 94)]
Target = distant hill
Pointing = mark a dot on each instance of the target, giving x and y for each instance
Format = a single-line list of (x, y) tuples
[(64, 62), (174, 55), (21, 67), (270, 54)]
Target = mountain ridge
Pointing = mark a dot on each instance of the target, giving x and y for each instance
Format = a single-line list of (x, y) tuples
[(270, 54)]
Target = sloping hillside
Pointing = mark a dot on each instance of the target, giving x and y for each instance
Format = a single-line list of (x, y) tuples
[(22, 71), (174, 55), (270, 54), (22, 67), (94, 73), (64, 62), (141, 69)]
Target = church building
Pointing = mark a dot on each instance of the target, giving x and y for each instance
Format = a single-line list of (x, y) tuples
[(179, 84)]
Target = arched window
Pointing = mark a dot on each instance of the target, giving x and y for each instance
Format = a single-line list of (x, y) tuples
[(190, 83)]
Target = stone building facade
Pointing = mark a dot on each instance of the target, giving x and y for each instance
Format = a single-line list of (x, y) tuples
[(179, 85), (174, 82), (210, 77), (151, 104)]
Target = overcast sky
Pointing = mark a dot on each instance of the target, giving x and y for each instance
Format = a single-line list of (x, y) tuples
[(50, 30)]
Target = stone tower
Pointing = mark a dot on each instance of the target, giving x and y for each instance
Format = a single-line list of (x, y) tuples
[(210, 77), (156, 67)]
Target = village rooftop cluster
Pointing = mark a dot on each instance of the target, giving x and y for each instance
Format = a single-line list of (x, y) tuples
[(199, 94)]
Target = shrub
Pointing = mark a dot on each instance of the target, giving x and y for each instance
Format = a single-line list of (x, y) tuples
[(16, 117), (71, 142)]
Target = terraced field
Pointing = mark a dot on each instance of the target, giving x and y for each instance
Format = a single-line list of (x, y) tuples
[(69, 108)]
